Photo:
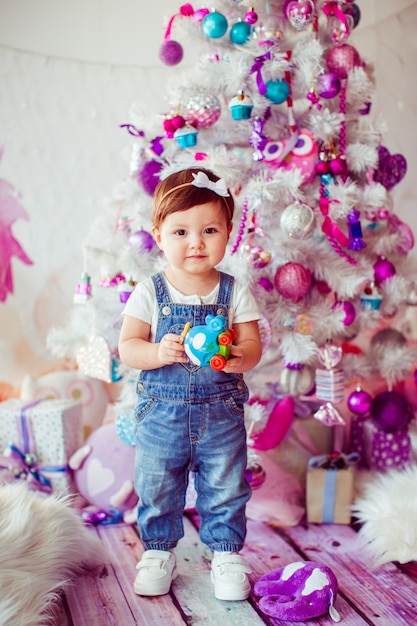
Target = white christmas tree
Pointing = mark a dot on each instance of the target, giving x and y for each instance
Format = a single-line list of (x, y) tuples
[(278, 103)]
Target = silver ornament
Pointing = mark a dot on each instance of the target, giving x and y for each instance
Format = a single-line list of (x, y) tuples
[(385, 340), (298, 220), (202, 110)]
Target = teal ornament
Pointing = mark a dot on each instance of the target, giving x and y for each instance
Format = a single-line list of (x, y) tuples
[(125, 426), (277, 91), (214, 25), (240, 33)]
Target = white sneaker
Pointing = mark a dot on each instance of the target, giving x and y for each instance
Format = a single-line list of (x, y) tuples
[(228, 574), (156, 571)]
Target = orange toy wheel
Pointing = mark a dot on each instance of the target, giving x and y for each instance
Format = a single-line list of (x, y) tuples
[(225, 339), (217, 362)]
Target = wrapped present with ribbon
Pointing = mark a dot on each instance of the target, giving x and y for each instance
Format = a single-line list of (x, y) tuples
[(36, 441), (329, 487), (380, 450), (330, 379)]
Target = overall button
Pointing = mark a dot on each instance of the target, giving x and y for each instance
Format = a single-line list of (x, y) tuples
[(239, 385), (221, 311), (140, 387), (166, 310)]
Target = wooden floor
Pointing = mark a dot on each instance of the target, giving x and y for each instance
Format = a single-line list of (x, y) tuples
[(385, 596)]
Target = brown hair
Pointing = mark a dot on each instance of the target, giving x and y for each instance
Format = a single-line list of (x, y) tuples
[(177, 193)]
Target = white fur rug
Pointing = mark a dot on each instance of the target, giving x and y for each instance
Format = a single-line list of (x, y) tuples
[(387, 508), (43, 545)]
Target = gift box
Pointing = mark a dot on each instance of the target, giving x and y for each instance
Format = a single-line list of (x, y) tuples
[(329, 488), (379, 450), (37, 440)]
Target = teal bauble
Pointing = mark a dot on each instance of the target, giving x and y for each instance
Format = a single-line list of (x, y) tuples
[(277, 91), (214, 25), (240, 33)]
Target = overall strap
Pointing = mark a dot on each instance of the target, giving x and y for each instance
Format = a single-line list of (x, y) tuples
[(161, 289), (225, 289)]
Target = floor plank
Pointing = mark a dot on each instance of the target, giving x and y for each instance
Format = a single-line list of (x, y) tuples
[(384, 596)]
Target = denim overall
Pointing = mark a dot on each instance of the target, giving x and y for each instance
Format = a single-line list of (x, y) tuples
[(190, 418)]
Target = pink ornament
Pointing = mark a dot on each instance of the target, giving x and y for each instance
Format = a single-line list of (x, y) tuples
[(328, 85), (342, 59), (405, 234), (141, 241), (300, 13), (359, 401), (383, 269), (171, 52), (292, 281)]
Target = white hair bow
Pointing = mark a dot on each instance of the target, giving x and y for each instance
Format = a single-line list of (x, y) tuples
[(202, 180)]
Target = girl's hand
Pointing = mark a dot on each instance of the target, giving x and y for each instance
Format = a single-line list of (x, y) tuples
[(171, 350), (234, 364)]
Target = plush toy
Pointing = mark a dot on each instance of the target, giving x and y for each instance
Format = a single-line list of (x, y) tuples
[(298, 592), (209, 344), (70, 385), (104, 471)]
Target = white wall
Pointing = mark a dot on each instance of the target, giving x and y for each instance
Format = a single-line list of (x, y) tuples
[(70, 73)]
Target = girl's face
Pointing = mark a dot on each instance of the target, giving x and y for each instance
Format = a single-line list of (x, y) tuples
[(194, 240)]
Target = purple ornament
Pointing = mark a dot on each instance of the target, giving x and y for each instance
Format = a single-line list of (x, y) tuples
[(328, 85), (141, 241), (171, 52), (391, 411), (148, 176), (359, 401)]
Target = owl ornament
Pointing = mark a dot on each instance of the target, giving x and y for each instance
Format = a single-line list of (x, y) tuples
[(300, 151)]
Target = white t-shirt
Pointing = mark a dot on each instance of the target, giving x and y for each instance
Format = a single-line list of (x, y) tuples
[(143, 306)]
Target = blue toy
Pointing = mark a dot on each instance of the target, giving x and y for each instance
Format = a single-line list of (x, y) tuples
[(209, 344)]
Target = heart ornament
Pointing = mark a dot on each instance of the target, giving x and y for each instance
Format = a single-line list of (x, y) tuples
[(391, 168), (95, 359)]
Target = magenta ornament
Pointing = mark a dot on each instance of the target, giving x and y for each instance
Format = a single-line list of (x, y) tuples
[(328, 85), (251, 17), (349, 310), (342, 59), (391, 168), (383, 269), (171, 52), (338, 166), (359, 401), (391, 411), (292, 281), (141, 241)]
